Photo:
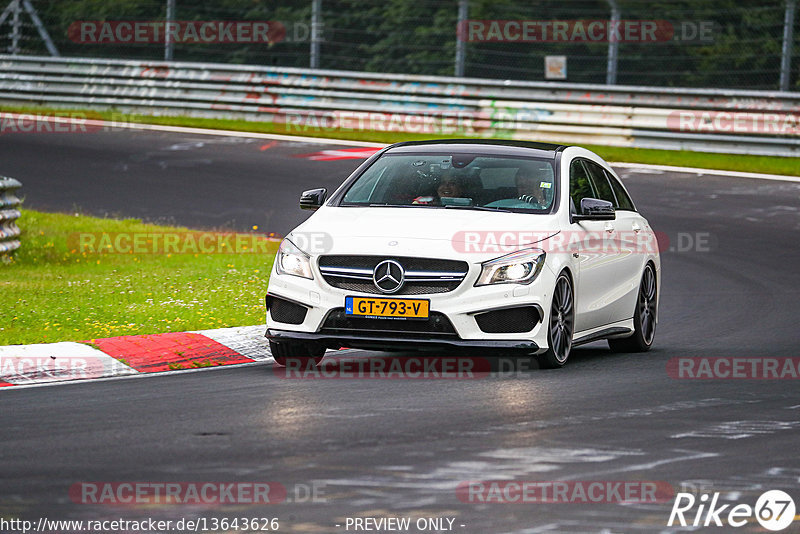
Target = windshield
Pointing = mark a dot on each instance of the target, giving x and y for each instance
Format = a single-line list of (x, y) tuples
[(483, 182)]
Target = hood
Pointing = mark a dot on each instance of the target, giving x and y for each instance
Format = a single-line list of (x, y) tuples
[(409, 231)]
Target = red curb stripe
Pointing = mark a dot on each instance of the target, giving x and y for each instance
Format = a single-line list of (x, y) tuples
[(169, 352), (339, 153)]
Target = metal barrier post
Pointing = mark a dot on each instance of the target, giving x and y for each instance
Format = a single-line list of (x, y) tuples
[(788, 42), (316, 8), (9, 213), (461, 40), (613, 46)]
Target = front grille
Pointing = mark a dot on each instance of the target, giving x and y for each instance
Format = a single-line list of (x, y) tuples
[(416, 288), (437, 325), (284, 311), (410, 264), (423, 275), (509, 321)]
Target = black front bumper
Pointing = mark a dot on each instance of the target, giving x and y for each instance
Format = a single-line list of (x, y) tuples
[(383, 342)]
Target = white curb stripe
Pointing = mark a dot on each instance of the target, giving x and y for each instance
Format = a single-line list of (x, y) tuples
[(135, 376), (249, 341), (56, 362)]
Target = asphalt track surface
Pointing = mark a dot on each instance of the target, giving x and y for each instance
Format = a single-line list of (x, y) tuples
[(401, 447)]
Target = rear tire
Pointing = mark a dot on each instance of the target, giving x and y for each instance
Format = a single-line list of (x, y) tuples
[(296, 350), (644, 317), (560, 326)]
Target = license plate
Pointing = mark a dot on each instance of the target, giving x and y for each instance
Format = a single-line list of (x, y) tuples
[(392, 308)]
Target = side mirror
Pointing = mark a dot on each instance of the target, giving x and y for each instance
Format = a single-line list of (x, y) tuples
[(594, 209), (313, 198)]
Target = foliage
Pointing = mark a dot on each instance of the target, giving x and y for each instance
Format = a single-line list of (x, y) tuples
[(419, 37)]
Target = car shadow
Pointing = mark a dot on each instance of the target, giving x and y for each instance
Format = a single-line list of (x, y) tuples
[(355, 364)]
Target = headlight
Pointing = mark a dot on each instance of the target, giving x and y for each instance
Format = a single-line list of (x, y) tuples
[(519, 267), (291, 260)]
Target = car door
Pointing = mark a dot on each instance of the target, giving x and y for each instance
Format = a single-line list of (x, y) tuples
[(622, 240), (597, 246), (637, 241)]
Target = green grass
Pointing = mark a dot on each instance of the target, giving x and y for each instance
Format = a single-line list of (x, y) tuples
[(54, 291), (703, 160), (680, 158)]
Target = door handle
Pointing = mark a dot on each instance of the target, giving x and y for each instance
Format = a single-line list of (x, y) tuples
[(636, 228), (609, 228)]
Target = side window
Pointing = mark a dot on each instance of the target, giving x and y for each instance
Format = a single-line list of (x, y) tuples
[(579, 185), (600, 182), (624, 202)]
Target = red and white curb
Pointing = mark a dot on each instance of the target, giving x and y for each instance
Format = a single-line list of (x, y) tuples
[(22, 365)]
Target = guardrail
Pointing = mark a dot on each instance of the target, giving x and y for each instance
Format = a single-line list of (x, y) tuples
[(301, 101), (9, 213)]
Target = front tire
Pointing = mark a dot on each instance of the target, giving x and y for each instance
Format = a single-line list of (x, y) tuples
[(644, 317), (561, 325), (295, 350)]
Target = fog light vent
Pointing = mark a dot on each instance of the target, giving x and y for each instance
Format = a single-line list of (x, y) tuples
[(509, 320), (284, 311)]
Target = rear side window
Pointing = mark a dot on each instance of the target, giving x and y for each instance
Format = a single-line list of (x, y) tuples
[(624, 202), (600, 182), (579, 185)]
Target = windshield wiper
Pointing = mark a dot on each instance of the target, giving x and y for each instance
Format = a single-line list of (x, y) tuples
[(480, 208)]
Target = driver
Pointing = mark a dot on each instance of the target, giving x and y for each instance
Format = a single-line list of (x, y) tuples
[(529, 187)]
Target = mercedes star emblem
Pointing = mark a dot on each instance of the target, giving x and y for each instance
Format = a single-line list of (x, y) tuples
[(388, 276)]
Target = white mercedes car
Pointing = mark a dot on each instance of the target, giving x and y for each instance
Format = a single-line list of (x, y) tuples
[(496, 246)]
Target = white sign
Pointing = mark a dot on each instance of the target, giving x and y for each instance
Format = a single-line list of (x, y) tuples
[(555, 67)]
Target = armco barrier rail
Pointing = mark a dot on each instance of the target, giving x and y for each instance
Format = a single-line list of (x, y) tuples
[(9, 213), (302, 101)]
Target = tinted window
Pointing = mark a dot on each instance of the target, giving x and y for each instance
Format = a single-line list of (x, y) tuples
[(624, 202), (431, 180), (579, 185), (600, 182)]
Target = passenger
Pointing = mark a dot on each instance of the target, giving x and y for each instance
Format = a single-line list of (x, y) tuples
[(451, 185)]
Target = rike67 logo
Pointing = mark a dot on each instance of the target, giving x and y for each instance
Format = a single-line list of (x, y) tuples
[(774, 510)]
